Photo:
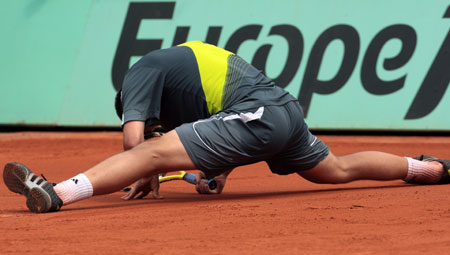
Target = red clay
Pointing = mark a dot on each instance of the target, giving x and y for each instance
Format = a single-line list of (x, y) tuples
[(258, 213)]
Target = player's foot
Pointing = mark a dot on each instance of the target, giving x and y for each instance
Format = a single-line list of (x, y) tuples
[(445, 179), (41, 197)]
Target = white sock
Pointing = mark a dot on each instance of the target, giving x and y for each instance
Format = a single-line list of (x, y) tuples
[(423, 172), (74, 189)]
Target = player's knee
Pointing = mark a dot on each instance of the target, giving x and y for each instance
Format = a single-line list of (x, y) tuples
[(339, 175), (339, 172), (332, 171), (147, 152)]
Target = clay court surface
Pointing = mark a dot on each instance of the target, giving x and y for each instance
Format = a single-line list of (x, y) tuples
[(258, 212)]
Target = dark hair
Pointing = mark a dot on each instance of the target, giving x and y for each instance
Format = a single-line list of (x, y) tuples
[(118, 104)]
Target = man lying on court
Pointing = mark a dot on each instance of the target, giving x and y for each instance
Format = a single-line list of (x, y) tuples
[(222, 113)]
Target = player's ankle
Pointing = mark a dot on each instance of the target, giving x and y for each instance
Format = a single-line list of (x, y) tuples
[(74, 189), (424, 172)]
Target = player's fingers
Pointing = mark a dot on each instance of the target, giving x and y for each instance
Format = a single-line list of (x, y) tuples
[(218, 189), (154, 187), (156, 195), (199, 176), (143, 194), (130, 195), (220, 184), (143, 188), (197, 188), (203, 187)]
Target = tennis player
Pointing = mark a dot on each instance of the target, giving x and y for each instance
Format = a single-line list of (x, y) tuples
[(222, 113)]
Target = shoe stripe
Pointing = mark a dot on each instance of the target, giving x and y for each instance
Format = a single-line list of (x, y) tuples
[(33, 177), (35, 182)]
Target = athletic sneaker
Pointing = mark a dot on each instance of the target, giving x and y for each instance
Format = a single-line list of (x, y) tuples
[(41, 197), (445, 179)]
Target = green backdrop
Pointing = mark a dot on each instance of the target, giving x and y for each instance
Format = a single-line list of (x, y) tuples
[(354, 64)]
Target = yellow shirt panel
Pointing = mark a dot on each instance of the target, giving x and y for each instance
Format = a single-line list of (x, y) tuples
[(213, 66)]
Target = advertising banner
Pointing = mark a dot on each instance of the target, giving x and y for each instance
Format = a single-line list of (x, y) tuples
[(353, 64)]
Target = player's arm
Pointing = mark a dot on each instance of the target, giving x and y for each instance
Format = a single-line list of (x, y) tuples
[(135, 132), (141, 102)]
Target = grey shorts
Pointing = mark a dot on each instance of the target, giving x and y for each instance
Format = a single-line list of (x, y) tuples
[(235, 137)]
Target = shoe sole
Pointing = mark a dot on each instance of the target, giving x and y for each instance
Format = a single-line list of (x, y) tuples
[(15, 176)]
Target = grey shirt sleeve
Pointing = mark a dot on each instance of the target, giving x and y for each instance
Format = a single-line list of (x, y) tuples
[(141, 95)]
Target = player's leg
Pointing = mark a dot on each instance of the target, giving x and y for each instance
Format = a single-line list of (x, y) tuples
[(311, 158), (373, 165), (116, 172), (149, 158)]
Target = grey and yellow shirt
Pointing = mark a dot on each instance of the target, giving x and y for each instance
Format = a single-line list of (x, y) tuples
[(193, 81)]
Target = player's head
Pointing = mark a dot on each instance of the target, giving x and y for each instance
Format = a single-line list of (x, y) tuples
[(118, 104)]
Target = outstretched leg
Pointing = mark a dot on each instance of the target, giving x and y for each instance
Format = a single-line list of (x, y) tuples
[(372, 165), (149, 158), (146, 159)]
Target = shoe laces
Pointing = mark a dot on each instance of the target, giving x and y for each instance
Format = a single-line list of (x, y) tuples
[(45, 179)]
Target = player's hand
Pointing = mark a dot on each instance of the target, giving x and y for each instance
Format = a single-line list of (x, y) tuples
[(202, 186), (154, 131), (144, 186)]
